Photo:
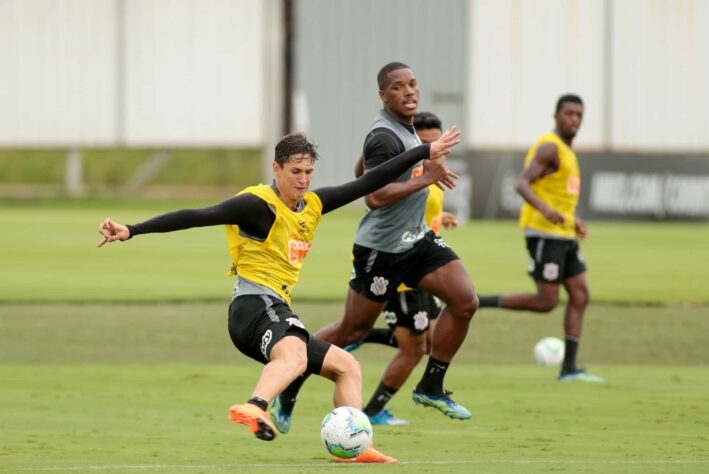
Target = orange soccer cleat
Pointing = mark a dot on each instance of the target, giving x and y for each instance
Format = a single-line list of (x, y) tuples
[(371, 455), (255, 419)]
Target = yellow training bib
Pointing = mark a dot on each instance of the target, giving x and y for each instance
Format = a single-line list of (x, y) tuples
[(276, 262), (559, 190)]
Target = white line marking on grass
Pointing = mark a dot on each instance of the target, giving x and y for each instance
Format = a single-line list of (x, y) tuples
[(325, 463)]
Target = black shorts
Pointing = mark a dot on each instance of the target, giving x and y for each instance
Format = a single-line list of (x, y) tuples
[(411, 309), (376, 275), (554, 260), (258, 322)]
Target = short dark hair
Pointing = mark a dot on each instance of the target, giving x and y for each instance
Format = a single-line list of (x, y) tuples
[(382, 75), (567, 98), (294, 144), (427, 121)]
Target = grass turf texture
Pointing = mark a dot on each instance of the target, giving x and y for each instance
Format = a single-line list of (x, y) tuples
[(145, 388), (48, 254)]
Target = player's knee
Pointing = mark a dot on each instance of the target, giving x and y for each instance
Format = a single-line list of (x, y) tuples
[(466, 307), (546, 304), (580, 297), (349, 367), (356, 334)]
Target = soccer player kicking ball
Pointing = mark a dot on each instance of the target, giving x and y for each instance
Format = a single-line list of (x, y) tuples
[(269, 232), (550, 184)]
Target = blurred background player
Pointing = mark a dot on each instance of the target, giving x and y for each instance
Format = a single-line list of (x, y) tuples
[(550, 185), (269, 232), (393, 245), (410, 314)]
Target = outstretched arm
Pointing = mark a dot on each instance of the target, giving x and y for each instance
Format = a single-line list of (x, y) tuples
[(337, 196), (247, 211)]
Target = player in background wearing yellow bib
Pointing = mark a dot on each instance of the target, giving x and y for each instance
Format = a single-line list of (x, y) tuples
[(269, 232), (550, 185), (410, 314)]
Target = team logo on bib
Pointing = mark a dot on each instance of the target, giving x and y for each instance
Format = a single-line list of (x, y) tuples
[(379, 286), (551, 271), (265, 341), (297, 250)]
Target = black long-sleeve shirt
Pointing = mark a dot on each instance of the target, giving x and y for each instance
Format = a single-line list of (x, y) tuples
[(255, 218)]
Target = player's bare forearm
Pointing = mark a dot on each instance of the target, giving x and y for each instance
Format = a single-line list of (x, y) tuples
[(525, 190), (395, 192)]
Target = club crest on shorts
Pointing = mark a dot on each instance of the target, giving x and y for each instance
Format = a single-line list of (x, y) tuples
[(551, 271), (421, 321), (379, 286), (265, 341), (390, 317)]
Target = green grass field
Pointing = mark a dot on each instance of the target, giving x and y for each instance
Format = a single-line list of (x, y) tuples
[(118, 359)]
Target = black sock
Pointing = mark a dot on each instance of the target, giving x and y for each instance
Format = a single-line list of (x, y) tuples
[(259, 402), (490, 301), (381, 336), (570, 349), (289, 395), (432, 380), (379, 399)]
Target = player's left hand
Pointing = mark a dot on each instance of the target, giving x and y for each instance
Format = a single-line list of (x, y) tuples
[(112, 231), (581, 228), (449, 221), (445, 143), (448, 180)]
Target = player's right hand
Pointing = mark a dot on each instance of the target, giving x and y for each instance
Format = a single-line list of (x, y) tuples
[(112, 231), (443, 145), (554, 216)]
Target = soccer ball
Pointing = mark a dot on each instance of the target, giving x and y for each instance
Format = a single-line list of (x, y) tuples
[(346, 432), (549, 351)]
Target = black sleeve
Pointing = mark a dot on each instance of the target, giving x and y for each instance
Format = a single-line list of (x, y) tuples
[(249, 212), (381, 145), (337, 196)]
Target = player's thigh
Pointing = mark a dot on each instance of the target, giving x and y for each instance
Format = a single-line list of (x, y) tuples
[(360, 312), (257, 323), (451, 283)]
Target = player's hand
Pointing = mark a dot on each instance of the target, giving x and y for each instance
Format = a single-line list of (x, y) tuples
[(554, 216), (443, 145), (436, 171), (112, 231), (449, 221), (581, 229), (448, 181)]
